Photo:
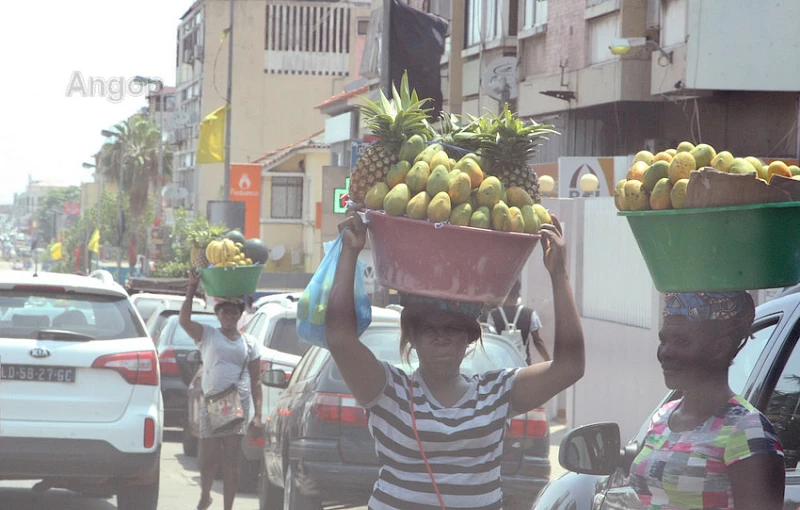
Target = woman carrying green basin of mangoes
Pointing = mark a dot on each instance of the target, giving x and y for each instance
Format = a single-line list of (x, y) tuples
[(438, 433)]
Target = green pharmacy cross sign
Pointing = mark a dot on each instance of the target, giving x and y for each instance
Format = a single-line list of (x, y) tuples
[(338, 193)]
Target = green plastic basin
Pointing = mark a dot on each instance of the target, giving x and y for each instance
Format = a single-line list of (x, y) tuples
[(231, 281), (720, 249)]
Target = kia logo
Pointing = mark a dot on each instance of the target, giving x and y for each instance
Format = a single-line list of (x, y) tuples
[(39, 352)]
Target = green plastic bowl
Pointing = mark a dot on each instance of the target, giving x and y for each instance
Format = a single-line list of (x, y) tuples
[(231, 281), (720, 249)]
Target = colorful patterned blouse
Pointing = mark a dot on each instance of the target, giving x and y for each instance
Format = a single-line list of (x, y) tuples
[(687, 470)]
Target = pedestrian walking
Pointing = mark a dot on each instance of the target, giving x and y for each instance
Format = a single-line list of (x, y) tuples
[(438, 432), (710, 448), (231, 375), (523, 329)]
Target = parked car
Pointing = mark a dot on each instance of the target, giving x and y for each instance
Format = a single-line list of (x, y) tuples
[(166, 310), (274, 326), (172, 345), (147, 303), (765, 372), (319, 449), (80, 406)]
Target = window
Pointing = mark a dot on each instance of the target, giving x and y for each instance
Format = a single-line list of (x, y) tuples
[(745, 361), (673, 22), (287, 198), (362, 26), (284, 338), (535, 14), (783, 409), (472, 30), (602, 31)]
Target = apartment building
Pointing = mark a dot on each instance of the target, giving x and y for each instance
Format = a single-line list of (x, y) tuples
[(287, 57)]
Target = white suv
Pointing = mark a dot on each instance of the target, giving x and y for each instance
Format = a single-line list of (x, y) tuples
[(80, 401)]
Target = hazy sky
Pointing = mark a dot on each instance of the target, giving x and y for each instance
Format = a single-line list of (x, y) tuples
[(45, 46)]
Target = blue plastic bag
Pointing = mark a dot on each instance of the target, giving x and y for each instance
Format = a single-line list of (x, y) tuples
[(313, 304)]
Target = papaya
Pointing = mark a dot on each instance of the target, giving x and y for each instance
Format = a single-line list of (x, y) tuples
[(375, 196), (530, 218), (396, 200), (439, 208), (480, 218), (398, 173), (417, 177), (417, 208), (490, 192), (543, 214), (411, 148), (461, 214), (471, 168), (438, 181), (518, 197), (501, 217), (459, 188), (440, 158), (660, 197), (428, 153), (517, 222)]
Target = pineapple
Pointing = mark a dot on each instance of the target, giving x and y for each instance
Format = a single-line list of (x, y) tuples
[(507, 147), (393, 122), (458, 137), (200, 235)]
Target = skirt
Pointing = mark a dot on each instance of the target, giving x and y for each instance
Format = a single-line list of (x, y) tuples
[(241, 429)]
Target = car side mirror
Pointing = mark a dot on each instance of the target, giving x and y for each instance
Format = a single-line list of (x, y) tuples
[(275, 379), (591, 449)]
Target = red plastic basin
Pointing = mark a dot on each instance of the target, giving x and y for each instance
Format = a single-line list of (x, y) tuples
[(449, 262)]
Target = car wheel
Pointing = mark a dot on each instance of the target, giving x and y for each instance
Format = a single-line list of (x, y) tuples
[(270, 497), (189, 443), (139, 497), (248, 475), (293, 499)]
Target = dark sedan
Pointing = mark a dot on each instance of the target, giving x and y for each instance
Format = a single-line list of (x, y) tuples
[(173, 344), (319, 449)]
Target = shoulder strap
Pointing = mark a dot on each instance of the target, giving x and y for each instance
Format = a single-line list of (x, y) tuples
[(246, 356), (503, 315), (519, 312)]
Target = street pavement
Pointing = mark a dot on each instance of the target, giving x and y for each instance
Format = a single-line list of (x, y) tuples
[(180, 484)]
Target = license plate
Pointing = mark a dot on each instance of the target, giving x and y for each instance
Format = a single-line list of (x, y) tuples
[(37, 373)]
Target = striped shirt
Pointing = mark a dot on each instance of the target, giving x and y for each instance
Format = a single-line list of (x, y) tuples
[(463, 443)]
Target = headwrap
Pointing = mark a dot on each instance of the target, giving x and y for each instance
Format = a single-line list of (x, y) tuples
[(468, 308), (707, 306)]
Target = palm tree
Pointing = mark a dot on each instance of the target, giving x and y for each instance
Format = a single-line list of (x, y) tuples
[(140, 138)]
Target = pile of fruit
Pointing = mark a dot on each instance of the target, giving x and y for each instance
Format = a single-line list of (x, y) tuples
[(472, 172), (214, 247), (661, 181)]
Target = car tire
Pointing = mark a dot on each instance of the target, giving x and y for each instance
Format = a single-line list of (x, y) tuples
[(248, 475), (270, 497), (293, 499), (139, 497), (190, 445)]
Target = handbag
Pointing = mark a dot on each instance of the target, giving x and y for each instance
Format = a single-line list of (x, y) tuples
[(419, 442), (225, 408)]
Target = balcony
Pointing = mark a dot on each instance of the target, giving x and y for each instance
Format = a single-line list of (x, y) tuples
[(308, 38)]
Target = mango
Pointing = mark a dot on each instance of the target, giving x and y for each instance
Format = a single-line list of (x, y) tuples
[(398, 173), (417, 177), (681, 166), (501, 217), (543, 214), (411, 148), (461, 214), (530, 218), (660, 197), (517, 222), (636, 171), (452, 163), (758, 165), (480, 218), (396, 200), (490, 191), (619, 195), (655, 173), (428, 153), (663, 156), (459, 188), (723, 161), (440, 158), (795, 170), (672, 152), (779, 168), (453, 173), (742, 166), (437, 181), (678, 194), (636, 197), (439, 208), (645, 156), (518, 197), (474, 157), (703, 155), (318, 315), (417, 208), (471, 168), (375, 196), (684, 147)]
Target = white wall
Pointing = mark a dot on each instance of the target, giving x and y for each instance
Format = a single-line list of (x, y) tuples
[(743, 45)]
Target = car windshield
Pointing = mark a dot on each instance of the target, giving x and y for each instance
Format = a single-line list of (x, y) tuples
[(99, 317), (493, 354), (284, 338), (179, 336)]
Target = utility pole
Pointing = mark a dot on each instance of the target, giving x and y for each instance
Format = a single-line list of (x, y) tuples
[(229, 95), (386, 38), (119, 211)]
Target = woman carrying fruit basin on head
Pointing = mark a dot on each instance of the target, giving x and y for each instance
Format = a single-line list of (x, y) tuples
[(442, 449), (710, 449)]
